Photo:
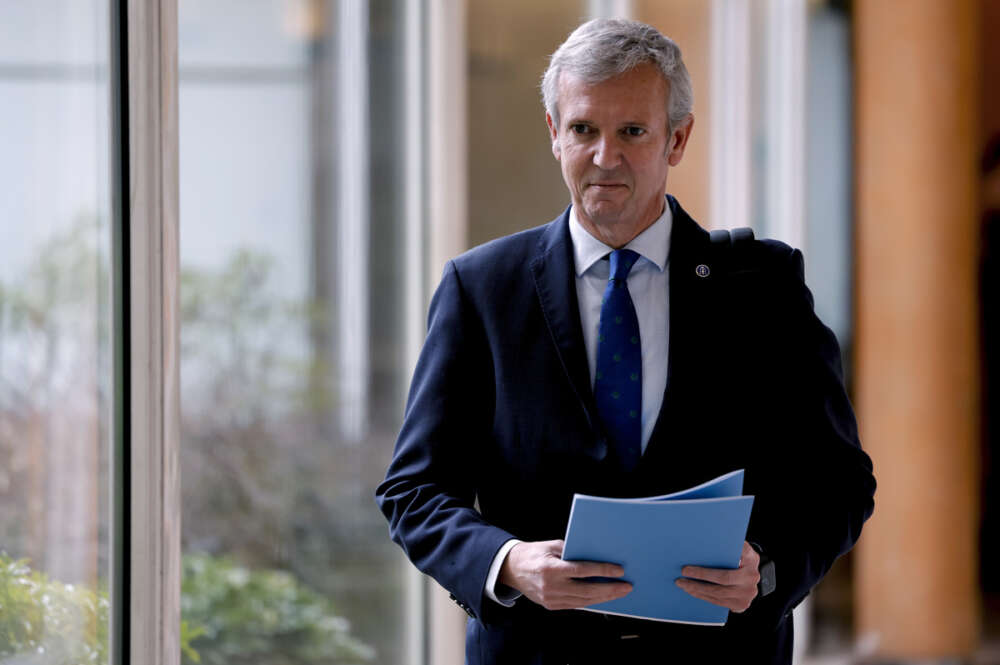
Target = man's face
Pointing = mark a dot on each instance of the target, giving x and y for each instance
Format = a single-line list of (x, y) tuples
[(615, 148)]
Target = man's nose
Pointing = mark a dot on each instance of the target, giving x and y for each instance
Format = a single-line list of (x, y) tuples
[(607, 153)]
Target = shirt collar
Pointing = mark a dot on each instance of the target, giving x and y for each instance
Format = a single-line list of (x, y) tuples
[(653, 244)]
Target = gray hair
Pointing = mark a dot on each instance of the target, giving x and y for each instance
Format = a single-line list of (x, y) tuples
[(604, 48)]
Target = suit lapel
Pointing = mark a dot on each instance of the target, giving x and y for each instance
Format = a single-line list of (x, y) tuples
[(554, 272), (689, 294)]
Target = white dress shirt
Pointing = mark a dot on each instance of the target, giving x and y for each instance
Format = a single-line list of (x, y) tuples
[(649, 287)]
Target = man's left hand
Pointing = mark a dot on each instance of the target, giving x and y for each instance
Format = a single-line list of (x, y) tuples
[(734, 589)]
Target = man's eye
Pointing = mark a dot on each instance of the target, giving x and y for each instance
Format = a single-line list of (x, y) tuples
[(579, 128), (635, 131)]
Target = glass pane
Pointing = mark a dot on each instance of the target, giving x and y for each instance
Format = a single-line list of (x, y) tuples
[(55, 323), (292, 353)]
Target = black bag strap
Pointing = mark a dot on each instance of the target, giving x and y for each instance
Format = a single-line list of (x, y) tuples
[(727, 247), (734, 238)]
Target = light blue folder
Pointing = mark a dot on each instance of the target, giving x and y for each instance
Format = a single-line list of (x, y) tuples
[(654, 537)]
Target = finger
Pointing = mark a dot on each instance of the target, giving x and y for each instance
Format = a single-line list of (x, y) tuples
[(698, 589), (708, 589), (590, 593), (740, 578), (600, 589), (722, 576), (703, 594), (737, 599), (593, 569), (582, 594), (749, 557), (585, 589), (553, 547)]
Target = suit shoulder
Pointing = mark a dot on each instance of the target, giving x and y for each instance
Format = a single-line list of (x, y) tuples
[(502, 256), (771, 256), (772, 251)]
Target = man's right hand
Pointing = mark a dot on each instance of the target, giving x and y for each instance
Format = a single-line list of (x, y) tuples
[(537, 570)]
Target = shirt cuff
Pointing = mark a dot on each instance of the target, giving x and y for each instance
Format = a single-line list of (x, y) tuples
[(504, 594)]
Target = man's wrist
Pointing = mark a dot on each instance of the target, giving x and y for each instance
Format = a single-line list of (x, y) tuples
[(496, 590), (506, 574)]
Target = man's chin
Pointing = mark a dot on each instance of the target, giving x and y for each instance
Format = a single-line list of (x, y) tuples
[(605, 213)]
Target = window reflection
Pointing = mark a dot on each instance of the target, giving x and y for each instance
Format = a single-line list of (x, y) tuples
[(292, 277), (55, 369)]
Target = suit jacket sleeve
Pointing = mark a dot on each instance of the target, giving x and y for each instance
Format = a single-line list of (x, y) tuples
[(817, 488), (428, 495)]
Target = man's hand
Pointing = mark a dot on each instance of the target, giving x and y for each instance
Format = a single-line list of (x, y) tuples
[(537, 571), (734, 589)]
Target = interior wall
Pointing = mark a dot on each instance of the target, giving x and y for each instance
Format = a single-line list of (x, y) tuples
[(514, 181), (688, 23)]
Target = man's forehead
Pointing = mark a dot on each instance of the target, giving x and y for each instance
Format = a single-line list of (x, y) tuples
[(644, 74), (638, 82), (632, 93)]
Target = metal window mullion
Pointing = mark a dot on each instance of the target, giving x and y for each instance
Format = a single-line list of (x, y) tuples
[(730, 126), (415, 257), (784, 170), (785, 111), (118, 478), (153, 438), (353, 217)]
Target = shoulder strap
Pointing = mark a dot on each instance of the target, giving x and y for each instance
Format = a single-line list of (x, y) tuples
[(742, 235), (720, 237), (729, 247), (734, 238)]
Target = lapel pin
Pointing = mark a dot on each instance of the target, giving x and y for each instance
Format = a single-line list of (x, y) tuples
[(702, 270)]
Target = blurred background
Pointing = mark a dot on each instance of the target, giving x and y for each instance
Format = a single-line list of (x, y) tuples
[(334, 154)]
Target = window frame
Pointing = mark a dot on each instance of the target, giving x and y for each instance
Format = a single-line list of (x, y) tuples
[(146, 575), (145, 624)]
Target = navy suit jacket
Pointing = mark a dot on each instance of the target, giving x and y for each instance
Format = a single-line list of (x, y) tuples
[(501, 430)]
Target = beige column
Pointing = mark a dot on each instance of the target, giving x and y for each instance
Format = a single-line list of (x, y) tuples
[(448, 232), (688, 24), (917, 349)]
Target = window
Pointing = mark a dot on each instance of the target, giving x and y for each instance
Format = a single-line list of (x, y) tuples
[(57, 388), (294, 277)]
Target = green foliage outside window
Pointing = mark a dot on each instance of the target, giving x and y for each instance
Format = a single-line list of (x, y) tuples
[(256, 617), (262, 617), (257, 395), (60, 624)]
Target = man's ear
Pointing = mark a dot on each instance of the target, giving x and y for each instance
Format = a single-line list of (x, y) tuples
[(679, 139), (554, 135)]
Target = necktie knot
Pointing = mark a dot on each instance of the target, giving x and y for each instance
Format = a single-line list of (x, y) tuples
[(622, 261)]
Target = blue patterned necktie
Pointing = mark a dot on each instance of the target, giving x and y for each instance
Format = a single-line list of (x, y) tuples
[(618, 381)]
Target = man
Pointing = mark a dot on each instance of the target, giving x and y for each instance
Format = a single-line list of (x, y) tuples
[(548, 370)]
